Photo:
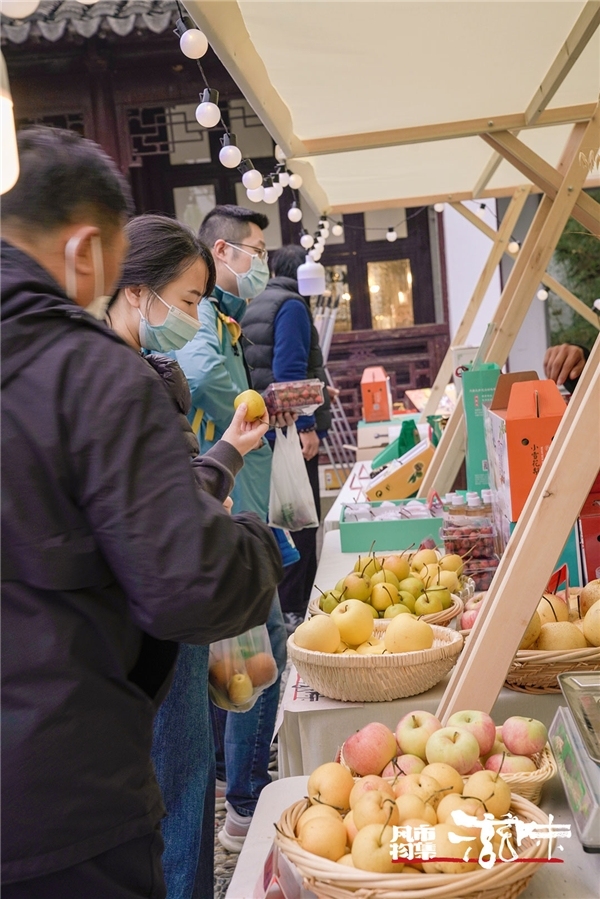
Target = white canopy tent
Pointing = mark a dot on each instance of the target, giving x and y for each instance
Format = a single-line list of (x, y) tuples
[(382, 103), (400, 103)]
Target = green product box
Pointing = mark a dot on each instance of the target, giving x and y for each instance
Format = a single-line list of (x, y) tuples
[(570, 556), (479, 385), (389, 536)]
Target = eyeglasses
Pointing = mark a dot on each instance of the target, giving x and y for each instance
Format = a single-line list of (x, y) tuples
[(262, 254)]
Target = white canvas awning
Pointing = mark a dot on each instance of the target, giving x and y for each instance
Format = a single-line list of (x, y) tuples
[(383, 103)]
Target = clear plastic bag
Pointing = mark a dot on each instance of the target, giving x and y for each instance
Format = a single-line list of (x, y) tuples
[(291, 503), (240, 668)]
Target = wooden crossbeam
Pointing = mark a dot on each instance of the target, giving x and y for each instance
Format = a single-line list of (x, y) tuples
[(395, 137), (571, 300), (578, 38), (559, 491), (500, 240), (527, 272), (536, 169)]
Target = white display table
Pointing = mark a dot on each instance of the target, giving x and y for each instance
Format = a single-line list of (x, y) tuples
[(311, 727), (577, 878), (351, 492)]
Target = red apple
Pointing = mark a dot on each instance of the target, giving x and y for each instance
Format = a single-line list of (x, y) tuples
[(507, 763), (455, 746), (479, 724), (414, 730), (467, 619), (524, 736), (403, 764), (370, 749)]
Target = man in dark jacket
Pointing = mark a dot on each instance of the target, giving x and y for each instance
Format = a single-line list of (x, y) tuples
[(282, 344), (108, 552)]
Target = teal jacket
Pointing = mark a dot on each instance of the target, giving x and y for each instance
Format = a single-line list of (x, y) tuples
[(214, 366)]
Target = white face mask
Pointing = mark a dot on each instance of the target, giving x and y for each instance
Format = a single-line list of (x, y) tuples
[(97, 308)]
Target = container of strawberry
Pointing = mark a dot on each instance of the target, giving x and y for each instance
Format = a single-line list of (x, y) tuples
[(297, 397)]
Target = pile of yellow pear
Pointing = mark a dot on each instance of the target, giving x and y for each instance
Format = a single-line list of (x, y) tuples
[(555, 626), (419, 583), (350, 821), (349, 630)]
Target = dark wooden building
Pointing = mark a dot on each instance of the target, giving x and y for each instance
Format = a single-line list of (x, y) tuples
[(114, 72)]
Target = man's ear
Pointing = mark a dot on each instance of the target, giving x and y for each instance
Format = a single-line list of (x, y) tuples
[(219, 249), (78, 244)]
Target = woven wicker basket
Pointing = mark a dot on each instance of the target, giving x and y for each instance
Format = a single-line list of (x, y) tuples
[(441, 618), (377, 678), (535, 670), (330, 880)]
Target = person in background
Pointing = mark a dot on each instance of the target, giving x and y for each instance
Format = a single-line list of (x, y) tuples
[(282, 344), (564, 364), (109, 554), (166, 272), (216, 369)]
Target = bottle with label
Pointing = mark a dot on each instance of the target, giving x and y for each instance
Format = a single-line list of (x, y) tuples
[(486, 498), (474, 506), (458, 505)]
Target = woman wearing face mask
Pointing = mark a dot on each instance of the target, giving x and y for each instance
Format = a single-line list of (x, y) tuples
[(166, 273)]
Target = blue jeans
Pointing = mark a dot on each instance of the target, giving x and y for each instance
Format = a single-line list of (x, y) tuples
[(243, 739), (183, 756)]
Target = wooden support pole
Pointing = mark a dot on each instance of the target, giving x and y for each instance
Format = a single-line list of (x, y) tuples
[(560, 489), (528, 270), (501, 239)]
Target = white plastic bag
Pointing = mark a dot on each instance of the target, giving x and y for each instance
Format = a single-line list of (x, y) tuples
[(291, 504)]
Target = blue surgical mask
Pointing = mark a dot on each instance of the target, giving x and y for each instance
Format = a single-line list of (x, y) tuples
[(177, 329), (254, 281)]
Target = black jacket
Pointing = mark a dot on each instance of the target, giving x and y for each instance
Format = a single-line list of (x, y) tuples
[(107, 549), (259, 328)]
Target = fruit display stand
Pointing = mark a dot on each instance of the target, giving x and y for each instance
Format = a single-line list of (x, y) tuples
[(576, 878), (311, 727)]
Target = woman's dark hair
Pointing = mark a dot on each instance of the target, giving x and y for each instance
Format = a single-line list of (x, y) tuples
[(160, 250), (62, 177), (284, 261)]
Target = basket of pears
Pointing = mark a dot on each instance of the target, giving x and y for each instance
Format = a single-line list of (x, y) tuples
[(363, 837), (424, 584), (347, 655), (563, 635)]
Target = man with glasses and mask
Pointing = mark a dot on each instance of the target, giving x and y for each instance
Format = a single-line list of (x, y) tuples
[(217, 372)]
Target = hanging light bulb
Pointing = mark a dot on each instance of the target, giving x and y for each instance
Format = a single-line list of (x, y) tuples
[(295, 181), (279, 154), (270, 191), (542, 294), (480, 213), (337, 230), (230, 154), (251, 177), (9, 158), (88, 2), (306, 240), (277, 185), (208, 113), (256, 195), (391, 235), (284, 179), (20, 9), (514, 247), (193, 43), (294, 213), (439, 207)]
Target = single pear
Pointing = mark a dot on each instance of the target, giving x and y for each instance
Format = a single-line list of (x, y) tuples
[(357, 586), (254, 401)]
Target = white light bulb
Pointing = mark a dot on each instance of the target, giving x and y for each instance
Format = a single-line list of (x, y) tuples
[(270, 195), (294, 213), (278, 188), (439, 207), (9, 154), (252, 179), (284, 179), (88, 2), (480, 212), (230, 156), (256, 195), (295, 181), (208, 115), (513, 247), (19, 9), (542, 294), (279, 154), (337, 230), (193, 43), (307, 240), (596, 306), (391, 235)]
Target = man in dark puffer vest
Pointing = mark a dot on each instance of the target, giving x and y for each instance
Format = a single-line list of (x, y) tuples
[(282, 344)]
